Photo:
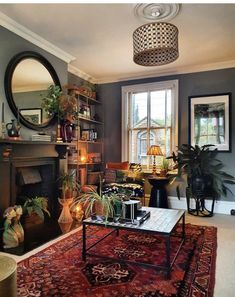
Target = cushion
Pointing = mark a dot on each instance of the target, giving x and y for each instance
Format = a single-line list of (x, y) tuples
[(110, 175), (121, 165), (121, 176)]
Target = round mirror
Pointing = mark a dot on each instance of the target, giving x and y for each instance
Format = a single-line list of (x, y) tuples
[(27, 79)]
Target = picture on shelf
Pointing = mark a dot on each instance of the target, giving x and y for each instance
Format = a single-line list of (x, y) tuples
[(86, 135)]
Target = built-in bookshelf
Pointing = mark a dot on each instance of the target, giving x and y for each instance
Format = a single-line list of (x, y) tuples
[(85, 154)]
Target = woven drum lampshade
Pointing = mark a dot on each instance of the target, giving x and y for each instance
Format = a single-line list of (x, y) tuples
[(155, 44)]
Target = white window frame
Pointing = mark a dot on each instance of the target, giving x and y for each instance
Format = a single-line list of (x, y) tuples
[(126, 90)]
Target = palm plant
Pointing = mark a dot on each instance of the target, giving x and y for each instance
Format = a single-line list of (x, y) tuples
[(201, 162), (68, 185)]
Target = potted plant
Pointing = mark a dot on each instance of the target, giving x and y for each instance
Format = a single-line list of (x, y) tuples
[(97, 204), (34, 209), (164, 167), (205, 177), (69, 190), (64, 107)]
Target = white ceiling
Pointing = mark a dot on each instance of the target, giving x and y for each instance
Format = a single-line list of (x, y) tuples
[(100, 36)]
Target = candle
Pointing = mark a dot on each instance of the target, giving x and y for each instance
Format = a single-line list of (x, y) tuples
[(2, 112)]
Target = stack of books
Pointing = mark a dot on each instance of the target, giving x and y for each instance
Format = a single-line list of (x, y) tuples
[(38, 137)]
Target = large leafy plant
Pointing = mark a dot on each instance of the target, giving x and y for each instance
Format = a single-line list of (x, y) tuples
[(195, 161)]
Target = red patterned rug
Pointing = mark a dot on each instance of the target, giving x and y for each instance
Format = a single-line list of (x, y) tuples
[(59, 271)]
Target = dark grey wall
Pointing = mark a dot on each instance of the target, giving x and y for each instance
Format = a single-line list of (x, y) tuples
[(12, 44), (201, 83)]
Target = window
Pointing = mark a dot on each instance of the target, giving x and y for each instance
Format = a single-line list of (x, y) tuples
[(149, 117)]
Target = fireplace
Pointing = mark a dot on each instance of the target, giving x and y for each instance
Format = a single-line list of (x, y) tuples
[(30, 169), (33, 178)]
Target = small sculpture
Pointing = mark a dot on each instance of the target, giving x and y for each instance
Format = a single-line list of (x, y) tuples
[(13, 129), (13, 233)]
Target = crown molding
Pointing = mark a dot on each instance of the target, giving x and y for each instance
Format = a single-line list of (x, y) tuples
[(166, 72), (34, 38), (74, 70)]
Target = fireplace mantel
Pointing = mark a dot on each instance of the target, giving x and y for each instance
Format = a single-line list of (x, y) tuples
[(26, 148)]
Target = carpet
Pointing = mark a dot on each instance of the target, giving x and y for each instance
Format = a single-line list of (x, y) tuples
[(59, 271)]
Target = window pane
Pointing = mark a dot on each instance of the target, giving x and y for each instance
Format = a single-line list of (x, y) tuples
[(168, 142), (139, 110), (138, 146), (159, 138), (157, 108), (168, 108)]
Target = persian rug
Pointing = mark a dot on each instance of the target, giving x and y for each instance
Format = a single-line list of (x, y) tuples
[(59, 271)]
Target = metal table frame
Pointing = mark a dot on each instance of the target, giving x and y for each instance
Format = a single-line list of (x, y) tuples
[(116, 229)]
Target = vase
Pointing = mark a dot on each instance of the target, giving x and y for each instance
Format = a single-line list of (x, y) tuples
[(65, 216), (13, 129), (17, 227), (66, 130), (10, 238)]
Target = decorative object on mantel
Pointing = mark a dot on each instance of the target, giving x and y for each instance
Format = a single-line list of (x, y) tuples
[(69, 190), (3, 126), (65, 109), (41, 137), (154, 151), (156, 43), (13, 129), (13, 233)]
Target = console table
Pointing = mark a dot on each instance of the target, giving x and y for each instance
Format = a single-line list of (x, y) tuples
[(161, 222)]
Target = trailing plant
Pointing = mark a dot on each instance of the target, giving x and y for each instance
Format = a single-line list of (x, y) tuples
[(201, 162), (91, 201)]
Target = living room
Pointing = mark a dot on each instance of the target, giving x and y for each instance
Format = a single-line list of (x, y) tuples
[(78, 47)]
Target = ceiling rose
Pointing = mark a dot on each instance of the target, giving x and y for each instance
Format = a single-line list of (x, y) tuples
[(157, 11)]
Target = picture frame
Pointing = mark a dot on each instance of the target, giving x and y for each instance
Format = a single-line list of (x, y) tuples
[(32, 115), (210, 121)]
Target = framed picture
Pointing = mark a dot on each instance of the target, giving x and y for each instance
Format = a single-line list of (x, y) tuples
[(32, 115), (209, 120)]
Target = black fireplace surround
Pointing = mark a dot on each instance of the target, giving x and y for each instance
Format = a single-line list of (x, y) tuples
[(30, 169)]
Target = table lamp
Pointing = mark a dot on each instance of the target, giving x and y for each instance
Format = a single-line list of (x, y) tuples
[(154, 151)]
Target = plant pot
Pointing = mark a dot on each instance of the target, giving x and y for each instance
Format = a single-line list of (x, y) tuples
[(65, 216), (201, 185)]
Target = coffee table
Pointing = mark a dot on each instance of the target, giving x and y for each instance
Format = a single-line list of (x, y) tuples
[(161, 222)]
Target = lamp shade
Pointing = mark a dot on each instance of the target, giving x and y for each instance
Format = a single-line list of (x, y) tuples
[(155, 44), (155, 150)]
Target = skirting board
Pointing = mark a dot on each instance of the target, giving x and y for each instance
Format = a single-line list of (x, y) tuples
[(223, 207)]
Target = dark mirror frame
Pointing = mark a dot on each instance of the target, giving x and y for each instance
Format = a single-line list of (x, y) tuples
[(8, 84)]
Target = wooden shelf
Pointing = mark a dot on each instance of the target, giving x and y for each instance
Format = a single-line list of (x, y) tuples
[(90, 100), (74, 142), (90, 120), (81, 163)]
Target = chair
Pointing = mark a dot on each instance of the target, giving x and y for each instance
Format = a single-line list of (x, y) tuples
[(123, 178)]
